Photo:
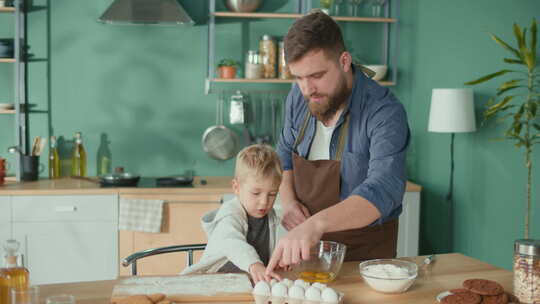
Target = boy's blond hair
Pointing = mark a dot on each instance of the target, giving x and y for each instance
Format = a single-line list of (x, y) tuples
[(260, 161)]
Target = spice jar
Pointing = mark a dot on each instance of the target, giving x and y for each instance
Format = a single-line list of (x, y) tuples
[(268, 52), (253, 66), (283, 68), (527, 270)]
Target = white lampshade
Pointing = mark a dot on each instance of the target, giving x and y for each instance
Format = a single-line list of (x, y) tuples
[(452, 111)]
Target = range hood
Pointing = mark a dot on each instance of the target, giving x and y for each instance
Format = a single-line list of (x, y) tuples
[(146, 12)]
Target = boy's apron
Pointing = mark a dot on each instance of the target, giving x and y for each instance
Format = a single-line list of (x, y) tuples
[(317, 186)]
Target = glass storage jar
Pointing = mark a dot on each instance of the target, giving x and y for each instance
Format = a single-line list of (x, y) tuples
[(253, 66), (268, 53), (283, 68), (527, 270)]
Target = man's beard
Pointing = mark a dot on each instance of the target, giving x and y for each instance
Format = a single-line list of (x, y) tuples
[(324, 111)]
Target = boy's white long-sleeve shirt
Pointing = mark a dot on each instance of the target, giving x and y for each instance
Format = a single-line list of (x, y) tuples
[(226, 229)]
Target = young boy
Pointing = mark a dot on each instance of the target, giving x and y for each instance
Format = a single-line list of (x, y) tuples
[(242, 232)]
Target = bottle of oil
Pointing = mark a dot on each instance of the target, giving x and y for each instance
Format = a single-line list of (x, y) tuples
[(78, 158), (13, 274), (104, 156), (54, 159)]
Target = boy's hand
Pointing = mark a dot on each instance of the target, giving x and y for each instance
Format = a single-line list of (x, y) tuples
[(258, 273)]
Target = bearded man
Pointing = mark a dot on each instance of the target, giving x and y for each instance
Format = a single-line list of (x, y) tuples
[(343, 149)]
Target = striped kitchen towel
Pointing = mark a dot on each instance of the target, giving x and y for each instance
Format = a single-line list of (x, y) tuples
[(140, 215)]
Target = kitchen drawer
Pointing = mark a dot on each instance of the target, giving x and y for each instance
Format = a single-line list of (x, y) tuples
[(5, 209), (65, 208)]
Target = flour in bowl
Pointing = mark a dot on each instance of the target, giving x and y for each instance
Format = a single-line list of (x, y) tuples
[(386, 271), (387, 278)]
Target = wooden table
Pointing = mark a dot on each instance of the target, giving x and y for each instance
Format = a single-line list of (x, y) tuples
[(446, 272)]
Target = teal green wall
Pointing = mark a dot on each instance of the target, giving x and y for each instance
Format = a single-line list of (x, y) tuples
[(444, 44), (144, 88)]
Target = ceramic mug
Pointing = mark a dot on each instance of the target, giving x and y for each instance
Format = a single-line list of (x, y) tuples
[(30, 167)]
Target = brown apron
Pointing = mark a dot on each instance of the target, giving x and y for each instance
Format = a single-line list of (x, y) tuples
[(317, 186)]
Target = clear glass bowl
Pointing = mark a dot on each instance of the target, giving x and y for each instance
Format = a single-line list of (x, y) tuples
[(324, 263), (389, 275)]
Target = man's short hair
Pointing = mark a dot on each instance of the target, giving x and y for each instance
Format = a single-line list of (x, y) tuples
[(315, 31), (259, 161)]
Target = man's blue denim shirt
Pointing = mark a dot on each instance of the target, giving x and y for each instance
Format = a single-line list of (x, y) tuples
[(373, 160)]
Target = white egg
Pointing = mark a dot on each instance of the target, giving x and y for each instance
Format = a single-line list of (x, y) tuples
[(279, 290), (313, 294), (296, 292), (330, 295), (287, 282), (321, 286), (302, 283), (273, 281), (261, 288)]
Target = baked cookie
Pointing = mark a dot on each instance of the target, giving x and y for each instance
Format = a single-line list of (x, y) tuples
[(512, 298), (498, 299), (462, 298), (483, 287), (458, 290), (156, 297)]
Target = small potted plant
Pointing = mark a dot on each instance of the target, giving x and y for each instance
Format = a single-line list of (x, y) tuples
[(227, 68)]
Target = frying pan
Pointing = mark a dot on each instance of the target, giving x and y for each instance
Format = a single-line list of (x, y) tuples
[(123, 179), (172, 181), (218, 141)]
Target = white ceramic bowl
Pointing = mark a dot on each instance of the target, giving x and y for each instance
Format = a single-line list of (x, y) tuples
[(380, 71), (389, 275)]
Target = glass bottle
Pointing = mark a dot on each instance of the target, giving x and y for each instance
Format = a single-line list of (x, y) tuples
[(54, 159), (78, 158), (104, 156), (13, 274), (527, 270)]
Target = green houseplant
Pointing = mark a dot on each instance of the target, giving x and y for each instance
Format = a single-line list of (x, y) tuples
[(227, 68), (518, 99)]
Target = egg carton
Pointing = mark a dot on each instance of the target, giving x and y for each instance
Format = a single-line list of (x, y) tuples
[(286, 300)]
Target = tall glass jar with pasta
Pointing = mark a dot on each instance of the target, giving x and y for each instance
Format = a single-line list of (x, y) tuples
[(283, 68), (268, 56)]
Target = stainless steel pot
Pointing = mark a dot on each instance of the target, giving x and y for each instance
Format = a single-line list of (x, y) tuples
[(243, 6)]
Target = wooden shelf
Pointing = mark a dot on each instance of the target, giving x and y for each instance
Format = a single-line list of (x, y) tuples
[(243, 80), (7, 111), (7, 9), (364, 19), (257, 15), (295, 16), (273, 80), (7, 60)]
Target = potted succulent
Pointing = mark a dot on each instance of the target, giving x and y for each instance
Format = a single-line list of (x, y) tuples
[(518, 99), (227, 68)]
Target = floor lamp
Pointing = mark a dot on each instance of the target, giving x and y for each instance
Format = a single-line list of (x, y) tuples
[(451, 111)]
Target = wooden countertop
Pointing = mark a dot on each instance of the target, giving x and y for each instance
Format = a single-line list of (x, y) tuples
[(67, 186), (446, 272)]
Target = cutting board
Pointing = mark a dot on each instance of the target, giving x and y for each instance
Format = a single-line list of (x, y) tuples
[(222, 287)]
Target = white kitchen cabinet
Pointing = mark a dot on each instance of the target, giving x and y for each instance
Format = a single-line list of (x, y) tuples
[(67, 238), (409, 225), (5, 219)]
